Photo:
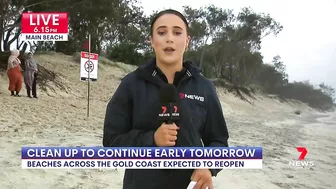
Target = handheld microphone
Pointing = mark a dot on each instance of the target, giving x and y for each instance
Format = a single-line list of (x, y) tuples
[(168, 104)]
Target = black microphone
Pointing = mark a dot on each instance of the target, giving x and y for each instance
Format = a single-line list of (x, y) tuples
[(168, 104)]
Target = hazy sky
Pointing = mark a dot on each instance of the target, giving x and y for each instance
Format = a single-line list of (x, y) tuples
[(307, 44)]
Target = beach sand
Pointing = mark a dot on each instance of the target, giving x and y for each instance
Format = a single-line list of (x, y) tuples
[(58, 118)]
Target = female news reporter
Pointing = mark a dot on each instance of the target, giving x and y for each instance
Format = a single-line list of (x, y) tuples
[(130, 115)]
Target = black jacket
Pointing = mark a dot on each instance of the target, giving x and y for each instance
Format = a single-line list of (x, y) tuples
[(131, 121)]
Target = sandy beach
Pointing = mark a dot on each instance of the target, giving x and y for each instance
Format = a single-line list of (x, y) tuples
[(58, 118)]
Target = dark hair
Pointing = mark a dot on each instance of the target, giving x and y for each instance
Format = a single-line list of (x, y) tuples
[(168, 11)]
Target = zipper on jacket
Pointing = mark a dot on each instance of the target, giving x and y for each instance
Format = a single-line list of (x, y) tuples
[(202, 142)]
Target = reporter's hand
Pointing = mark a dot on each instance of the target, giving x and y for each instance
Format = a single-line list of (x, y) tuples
[(203, 178), (166, 135)]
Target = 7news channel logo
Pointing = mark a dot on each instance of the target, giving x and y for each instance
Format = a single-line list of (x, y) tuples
[(301, 161)]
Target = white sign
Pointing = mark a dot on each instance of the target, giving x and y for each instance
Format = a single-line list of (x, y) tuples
[(89, 67)]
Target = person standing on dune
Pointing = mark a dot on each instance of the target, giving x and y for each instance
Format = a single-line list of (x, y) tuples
[(30, 75), (14, 73)]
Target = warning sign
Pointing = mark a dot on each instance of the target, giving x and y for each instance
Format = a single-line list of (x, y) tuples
[(89, 68)]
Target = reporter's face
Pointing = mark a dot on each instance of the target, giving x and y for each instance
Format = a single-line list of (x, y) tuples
[(170, 38)]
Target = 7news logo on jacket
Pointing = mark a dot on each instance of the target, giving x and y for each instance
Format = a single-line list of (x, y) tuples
[(301, 161)]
